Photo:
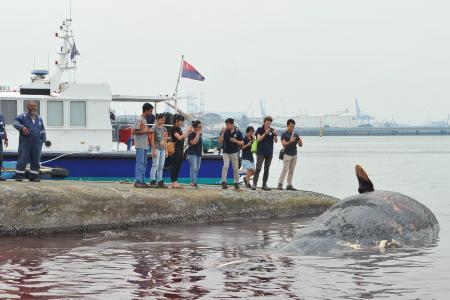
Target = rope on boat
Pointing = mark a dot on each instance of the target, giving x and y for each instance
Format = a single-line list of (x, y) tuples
[(58, 157)]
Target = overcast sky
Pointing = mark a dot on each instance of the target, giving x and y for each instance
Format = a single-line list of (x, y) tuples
[(316, 55)]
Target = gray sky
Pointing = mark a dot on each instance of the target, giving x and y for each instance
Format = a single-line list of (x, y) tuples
[(316, 55)]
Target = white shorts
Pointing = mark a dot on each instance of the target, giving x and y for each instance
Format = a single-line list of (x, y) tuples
[(248, 165)]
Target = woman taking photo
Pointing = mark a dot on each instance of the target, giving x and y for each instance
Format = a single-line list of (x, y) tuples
[(194, 152), (178, 138)]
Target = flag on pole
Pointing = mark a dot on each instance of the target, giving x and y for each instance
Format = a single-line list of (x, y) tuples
[(190, 72), (74, 51)]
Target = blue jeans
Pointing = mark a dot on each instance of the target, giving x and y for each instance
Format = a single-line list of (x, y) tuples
[(194, 162), (141, 165), (156, 173)]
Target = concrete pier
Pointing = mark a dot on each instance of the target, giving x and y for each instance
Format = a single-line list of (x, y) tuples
[(63, 206)]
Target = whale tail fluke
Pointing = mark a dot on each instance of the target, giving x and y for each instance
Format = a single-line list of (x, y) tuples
[(365, 184)]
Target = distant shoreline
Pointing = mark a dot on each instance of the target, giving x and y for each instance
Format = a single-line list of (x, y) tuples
[(377, 131)]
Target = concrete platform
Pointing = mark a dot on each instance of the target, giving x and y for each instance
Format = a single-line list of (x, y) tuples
[(63, 206)]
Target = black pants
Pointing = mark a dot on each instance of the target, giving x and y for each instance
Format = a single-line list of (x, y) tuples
[(260, 159), (177, 160)]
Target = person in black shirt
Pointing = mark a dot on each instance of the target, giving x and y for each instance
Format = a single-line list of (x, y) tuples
[(266, 137), (178, 138), (290, 140), (231, 138), (151, 118), (248, 162), (194, 151)]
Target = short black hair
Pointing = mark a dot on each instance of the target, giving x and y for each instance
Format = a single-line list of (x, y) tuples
[(290, 122), (196, 123), (268, 118), (229, 121), (177, 118), (160, 116), (249, 128), (147, 106)]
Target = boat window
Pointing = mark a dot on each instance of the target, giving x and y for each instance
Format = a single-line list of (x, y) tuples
[(9, 110), (55, 113), (38, 106), (77, 113)]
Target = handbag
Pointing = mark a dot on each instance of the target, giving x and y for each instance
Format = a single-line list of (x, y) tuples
[(255, 146), (281, 155)]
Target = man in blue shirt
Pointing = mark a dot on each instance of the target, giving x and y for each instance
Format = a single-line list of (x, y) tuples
[(266, 137), (4, 138), (31, 137), (290, 140), (232, 141)]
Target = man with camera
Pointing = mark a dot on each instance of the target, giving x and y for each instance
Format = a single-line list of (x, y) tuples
[(232, 140), (266, 137), (290, 140)]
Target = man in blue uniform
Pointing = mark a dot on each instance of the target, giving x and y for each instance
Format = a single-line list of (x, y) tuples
[(32, 136), (4, 138)]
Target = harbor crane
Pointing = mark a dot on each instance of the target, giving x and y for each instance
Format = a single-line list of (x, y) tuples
[(364, 119)]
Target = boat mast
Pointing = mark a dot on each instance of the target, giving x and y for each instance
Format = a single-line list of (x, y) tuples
[(64, 63)]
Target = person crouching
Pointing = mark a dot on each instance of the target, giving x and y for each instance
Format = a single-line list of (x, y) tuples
[(248, 161), (31, 138), (232, 140)]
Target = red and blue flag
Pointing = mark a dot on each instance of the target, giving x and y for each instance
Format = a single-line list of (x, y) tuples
[(189, 71)]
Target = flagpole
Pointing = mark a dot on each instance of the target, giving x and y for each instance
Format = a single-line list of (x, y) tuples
[(178, 81)]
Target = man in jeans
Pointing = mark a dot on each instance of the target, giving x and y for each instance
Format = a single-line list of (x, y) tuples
[(265, 136), (232, 140), (290, 140), (140, 135)]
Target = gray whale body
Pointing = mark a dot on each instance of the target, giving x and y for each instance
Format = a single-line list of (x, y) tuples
[(366, 220)]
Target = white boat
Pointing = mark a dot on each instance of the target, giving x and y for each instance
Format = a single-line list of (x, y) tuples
[(77, 120)]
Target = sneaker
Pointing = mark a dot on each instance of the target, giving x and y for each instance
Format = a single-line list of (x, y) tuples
[(153, 184), (280, 187), (290, 188), (254, 187), (161, 185), (266, 188), (236, 186), (196, 186), (224, 185), (18, 178), (140, 185)]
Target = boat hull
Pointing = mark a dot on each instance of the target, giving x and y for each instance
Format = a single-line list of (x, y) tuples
[(120, 166)]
